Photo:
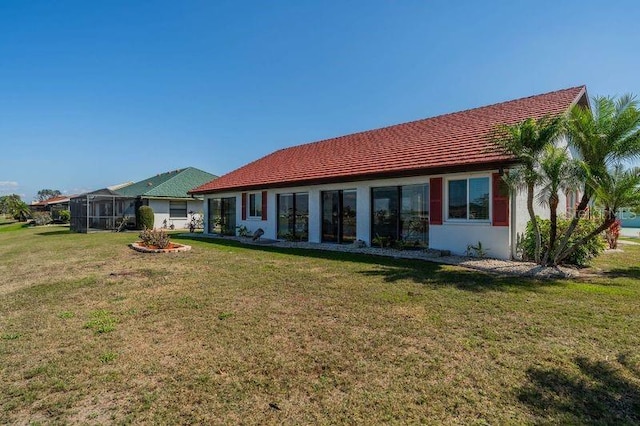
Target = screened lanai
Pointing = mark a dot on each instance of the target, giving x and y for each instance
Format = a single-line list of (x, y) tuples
[(102, 210)]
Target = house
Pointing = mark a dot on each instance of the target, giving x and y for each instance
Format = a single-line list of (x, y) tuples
[(53, 205), (434, 182), (166, 194)]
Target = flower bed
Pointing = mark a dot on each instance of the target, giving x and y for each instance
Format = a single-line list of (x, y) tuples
[(172, 248)]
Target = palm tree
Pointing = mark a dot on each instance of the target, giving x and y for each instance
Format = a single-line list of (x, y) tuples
[(559, 173), (604, 136), (526, 141), (616, 189)]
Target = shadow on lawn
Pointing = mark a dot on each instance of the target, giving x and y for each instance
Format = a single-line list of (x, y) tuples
[(599, 394), (630, 272), (50, 233), (392, 270)]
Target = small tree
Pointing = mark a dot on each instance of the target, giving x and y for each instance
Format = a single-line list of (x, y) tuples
[(145, 217), (612, 191), (15, 207), (558, 174), (527, 141), (603, 136)]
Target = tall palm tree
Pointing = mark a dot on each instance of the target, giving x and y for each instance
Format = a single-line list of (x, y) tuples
[(603, 136), (559, 173), (526, 141)]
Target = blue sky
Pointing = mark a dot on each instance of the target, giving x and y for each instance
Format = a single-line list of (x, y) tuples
[(97, 93)]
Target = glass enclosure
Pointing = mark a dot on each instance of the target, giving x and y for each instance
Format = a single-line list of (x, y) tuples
[(99, 211)]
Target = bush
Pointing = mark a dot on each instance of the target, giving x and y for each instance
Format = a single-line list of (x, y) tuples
[(581, 257), (613, 233), (64, 216), (145, 217), (155, 237), (42, 218)]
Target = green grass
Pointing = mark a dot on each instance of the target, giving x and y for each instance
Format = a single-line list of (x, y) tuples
[(12, 226), (233, 334)]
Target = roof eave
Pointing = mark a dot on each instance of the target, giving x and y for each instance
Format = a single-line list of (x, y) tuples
[(493, 165)]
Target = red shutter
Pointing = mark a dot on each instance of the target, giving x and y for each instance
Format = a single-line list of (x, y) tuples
[(244, 206), (264, 205), (500, 201), (435, 201)]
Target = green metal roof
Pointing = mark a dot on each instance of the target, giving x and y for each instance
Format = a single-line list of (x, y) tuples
[(173, 184)]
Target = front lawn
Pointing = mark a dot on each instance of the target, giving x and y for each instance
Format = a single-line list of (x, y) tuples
[(94, 332)]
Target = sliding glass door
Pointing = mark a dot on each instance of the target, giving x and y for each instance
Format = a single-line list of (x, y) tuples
[(339, 216), (401, 213), (293, 216), (222, 216)]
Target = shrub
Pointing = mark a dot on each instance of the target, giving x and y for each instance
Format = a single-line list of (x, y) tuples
[(64, 216), (243, 231), (42, 218), (581, 257), (613, 233), (155, 237), (145, 217)]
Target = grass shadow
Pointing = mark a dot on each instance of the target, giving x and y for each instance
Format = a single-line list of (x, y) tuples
[(599, 394), (394, 269), (630, 272), (58, 232)]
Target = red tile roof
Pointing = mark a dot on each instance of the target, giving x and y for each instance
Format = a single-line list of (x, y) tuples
[(53, 200), (456, 141)]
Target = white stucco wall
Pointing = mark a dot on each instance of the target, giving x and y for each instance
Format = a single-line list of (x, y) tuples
[(161, 212), (451, 235)]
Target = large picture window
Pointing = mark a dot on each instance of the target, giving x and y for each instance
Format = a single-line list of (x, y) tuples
[(178, 209), (255, 205), (293, 216), (469, 199)]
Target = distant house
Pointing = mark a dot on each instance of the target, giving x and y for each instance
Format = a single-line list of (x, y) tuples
[(166, 193), (433, 183), (53, 205)]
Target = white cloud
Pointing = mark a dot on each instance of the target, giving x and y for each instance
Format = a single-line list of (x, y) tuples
[(8, 187)]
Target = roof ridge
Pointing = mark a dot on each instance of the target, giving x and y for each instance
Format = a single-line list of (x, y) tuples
[(426, 118)]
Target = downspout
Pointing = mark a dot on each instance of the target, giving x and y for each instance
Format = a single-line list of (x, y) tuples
[(514, 230)]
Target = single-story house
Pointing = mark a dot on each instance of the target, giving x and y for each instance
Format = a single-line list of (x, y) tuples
[(166, 194), (433, 183), (53, 205)]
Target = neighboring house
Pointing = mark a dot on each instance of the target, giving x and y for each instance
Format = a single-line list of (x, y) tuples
[(53, 205), (434, 182), (166, 193)]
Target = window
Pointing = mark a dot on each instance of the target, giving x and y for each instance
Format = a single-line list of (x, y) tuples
[(178, 209), (469, 199), (255, 205)]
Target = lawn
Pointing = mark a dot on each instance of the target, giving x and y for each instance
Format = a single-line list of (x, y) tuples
[(93, 332)]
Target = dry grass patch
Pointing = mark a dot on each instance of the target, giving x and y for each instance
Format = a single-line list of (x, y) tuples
[(232, 334)]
